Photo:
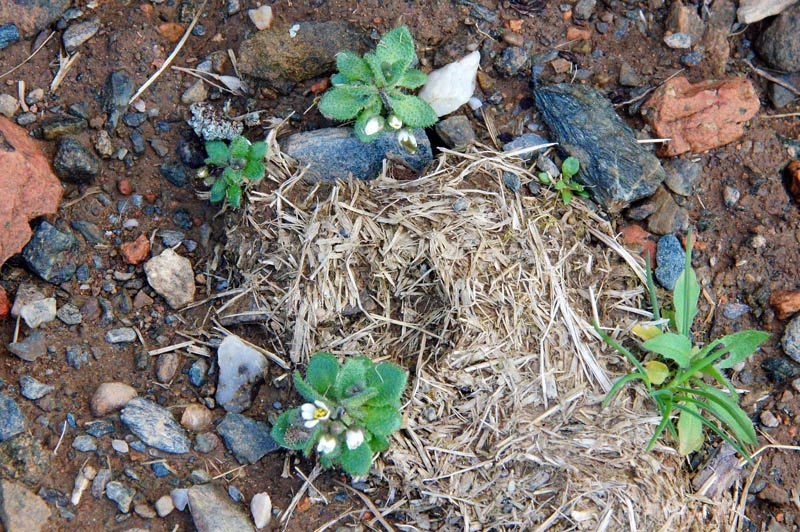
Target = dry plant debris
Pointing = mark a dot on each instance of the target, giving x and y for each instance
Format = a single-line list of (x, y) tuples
[(487, 298)]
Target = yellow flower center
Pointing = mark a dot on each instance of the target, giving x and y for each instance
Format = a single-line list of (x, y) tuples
[(320, 413)]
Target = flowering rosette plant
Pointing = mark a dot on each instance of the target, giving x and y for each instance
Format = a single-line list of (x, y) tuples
[(352, 409)]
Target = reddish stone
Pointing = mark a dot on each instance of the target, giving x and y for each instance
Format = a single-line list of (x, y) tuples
[(702, 116), (5, 304), (125, 187), (30, 188), (578, 34), (172, 31), (137, 251), (793, 179), (641, 241), (785, 302)]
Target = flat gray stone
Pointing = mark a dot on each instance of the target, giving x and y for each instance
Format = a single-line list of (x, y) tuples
[(791, 339), (12, 420), (241, 368), (671, 260), (155, 426), (120, 335), (249, 440), (20, 509), (213, 511), (120, 494), (32, 389)]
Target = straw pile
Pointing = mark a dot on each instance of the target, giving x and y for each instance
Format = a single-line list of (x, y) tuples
[(487, 297)]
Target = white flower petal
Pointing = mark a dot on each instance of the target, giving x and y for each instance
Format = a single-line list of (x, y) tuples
[(307, 411), (354, 438), (327, 444), (373, 125), (311, 423)]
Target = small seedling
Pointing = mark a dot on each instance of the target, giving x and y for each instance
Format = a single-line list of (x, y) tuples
[(371, 90), (685, 379), (239, 159), (565, 186), (351, 411)]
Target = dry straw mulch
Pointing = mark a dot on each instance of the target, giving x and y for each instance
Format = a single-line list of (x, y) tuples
[(487, 297)]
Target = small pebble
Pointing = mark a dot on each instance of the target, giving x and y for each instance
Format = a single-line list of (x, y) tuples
[(32, 389), (164, 506), (733, 311), (261, 17), (84, 443), (768, 419), (680, 41), (730, 196), (121, 446), (261, 509)]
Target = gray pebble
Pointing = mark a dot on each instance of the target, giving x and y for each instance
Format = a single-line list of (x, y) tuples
[(730, 196), (69, 314), (791, 339), (734, 311), (671, 261), (32, 389), (121, 335), (155, 425), (12, 421), (78, 34), (99, 483), (84, 443), (120, 494)]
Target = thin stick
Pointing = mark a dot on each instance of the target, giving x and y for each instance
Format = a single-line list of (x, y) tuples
[(171, 57), (782, 115), (61, 438), (63, 69), (287, 513), (372, 508), (30, 56), (766, 75)]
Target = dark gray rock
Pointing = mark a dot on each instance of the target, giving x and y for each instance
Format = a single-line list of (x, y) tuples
[(133, 119), (32, 389), (30, 348), (12, 420), (779, 44), (628, 77), (730, 196), (59, 126), (456, 132), (89, 231), (120, 494), (22, 456), (77, 356), (175, 173), (511, 181), (192, 152), (100, 482), (780, 370), (336, 153), (137, 142), (213, 511), (671, 260), (52, 254), (682, 174), (528, 140), (120, 335), (74, 163), (118, 92), (781, 96), (155, 426), (791, 339), (616, 169), (734, 311), (99, 428), (512, 61), (277, 57), (79, 33), (69, 314), (9, 34), (249, 440), (84, 443), (584, 9)]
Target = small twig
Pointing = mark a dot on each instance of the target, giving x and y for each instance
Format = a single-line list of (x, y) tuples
[(64, 65), (228, 472), (287, 513), (61, 438), (169, 348), (654, 141), (16, 330), (171, 57), (782, 115), (21, 94), (30, 56), (91, 191), (766, 75), (372, 508)]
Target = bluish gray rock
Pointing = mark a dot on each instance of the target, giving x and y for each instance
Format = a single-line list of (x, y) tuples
[(734, 311), (241, 368), (779, 43), (31, 348), (249, 440), (90, 231), (12, 421), (52, 254), (682, 174), (336, 153), (155, 426), (9, 34), (121, 335), (213, 511), (527, 140), (32, 389), (77, 356), (84, 443), (118, 92), (511, 61), (120, 494), (616, 169), (69, 314), (791, 339), (79, 33), (671, 261), (74, 163)]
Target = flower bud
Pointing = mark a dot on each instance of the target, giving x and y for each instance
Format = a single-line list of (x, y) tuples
[(407, 139), (202, 173), (373, 125), (394, 122)]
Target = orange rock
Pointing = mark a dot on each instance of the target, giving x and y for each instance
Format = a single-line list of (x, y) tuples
[(125, 187), (561, 65), (137, 251), (321, 86), (785, 302), (793, 179), (578, 34), (702, 116), (5, 304), (641, 241), (515, 24), (172, 31), (30, 188)]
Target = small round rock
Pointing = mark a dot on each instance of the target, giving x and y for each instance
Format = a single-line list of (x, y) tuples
[(111, 396), (164, 506), (196, 418)]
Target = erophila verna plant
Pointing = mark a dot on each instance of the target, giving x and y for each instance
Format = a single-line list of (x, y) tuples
[(239, 159), (565, 186), (351, 411), (371, 91), (687, 379)]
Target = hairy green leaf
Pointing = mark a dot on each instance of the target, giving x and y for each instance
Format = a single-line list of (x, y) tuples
[(356, 462), (352, 378), (218, 190), (240, 147), (218, 153), (686, 294), (396, 46), (258, 151), (352, 67), (740, 345), (253, 170), (690, 430), (390, 381), (373, 108), (570, 167), (234, 194), (671, 346), (305, 389), (321, 373), (343, 102), (412, 110), (231, 176), (378, 444), (376, 68), (382, 420), (412, 79)]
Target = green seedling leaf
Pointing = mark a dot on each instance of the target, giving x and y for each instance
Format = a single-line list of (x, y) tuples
[(566, 196), (390, 381), (343, 102), (378, 444), (396, 46), (570, 167), (354, 403), (657, 372), (352, 67), (726, 409), (338, 80), (286, 433), (713, 428), (413, 111), (382, 420), (253, 170), (305, 389), (356, 462), (231, 176), (622, 381), (218, 190), (376, 68), (412, 79), (671, 346), (218, 153), (741, 345), (240, 147), (645, 332), (258, 151), (686, 294), (352, 378), (394, 73), (690, 430), (321, 373), (234, 194)]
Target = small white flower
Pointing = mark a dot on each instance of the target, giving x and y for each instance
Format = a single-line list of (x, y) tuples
[(407, 139), (373, 125), (354, 438), (394, 122), (327, 444), (314, 413)]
